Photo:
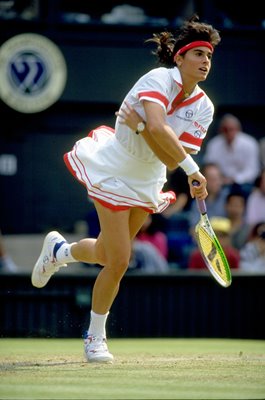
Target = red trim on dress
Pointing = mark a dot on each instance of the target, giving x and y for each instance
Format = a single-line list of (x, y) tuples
[(119, 208), (69, 166), (90, 134), (94, 191)]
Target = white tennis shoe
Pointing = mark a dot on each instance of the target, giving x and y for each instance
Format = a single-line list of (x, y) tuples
[(96, 349), (47, 263)]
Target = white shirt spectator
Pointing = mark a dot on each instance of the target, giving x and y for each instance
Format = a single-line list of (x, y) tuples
[(255, 208), (251, 258), (252, 255), (236, 152)]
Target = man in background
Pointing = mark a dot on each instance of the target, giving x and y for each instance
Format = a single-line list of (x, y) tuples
[(236, 152)]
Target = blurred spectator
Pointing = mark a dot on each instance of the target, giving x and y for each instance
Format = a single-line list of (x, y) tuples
[(150, 232), (217, 194), (255, 208), (177, 182), (147, 258), (25, 9), (92, 220), (6, 262), (252, 255), (236, 152), (236, 212), (262, 151), (176, 220), (125, 14), (222, 228), (231, 16), (6, 9)]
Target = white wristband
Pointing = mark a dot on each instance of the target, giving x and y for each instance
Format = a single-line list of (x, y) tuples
[(189, 165)]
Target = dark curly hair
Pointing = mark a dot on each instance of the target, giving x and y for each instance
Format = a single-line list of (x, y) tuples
[(191, 30)]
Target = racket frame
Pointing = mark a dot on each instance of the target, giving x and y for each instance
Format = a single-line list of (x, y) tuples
[(204, 223)]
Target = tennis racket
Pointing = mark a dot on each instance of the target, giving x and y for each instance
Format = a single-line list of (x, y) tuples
[(210, 248)]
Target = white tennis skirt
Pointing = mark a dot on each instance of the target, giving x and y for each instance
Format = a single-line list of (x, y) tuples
[(116, 178)]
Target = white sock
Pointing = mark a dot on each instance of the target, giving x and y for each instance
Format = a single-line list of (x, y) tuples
[(64, 255), (97, 325)]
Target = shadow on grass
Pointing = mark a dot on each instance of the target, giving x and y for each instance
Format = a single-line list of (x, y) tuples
[(31, 364)]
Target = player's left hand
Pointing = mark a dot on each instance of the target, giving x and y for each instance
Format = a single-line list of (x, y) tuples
[(128, 116)]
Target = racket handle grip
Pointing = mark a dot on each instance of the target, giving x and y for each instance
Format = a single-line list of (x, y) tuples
[(200, 203), (201, 206)]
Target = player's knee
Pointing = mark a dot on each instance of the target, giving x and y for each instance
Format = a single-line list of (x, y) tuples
[(118, 264), (118, 261)]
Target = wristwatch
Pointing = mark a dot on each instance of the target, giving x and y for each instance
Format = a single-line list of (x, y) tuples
[(140, 127)]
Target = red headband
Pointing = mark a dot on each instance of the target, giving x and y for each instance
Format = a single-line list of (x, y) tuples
[(194, 44)]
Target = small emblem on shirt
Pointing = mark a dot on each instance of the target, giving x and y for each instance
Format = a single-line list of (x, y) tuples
[(189, 114), (197, 134)]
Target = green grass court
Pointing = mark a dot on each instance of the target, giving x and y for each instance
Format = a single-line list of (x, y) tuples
[(143, 369)]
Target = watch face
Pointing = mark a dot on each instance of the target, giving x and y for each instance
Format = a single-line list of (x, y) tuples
[(140, 126)]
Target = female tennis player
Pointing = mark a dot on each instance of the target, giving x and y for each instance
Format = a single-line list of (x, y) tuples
[(124, 169)]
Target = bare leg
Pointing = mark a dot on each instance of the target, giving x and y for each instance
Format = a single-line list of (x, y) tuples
[(112, 249), (88, 251)]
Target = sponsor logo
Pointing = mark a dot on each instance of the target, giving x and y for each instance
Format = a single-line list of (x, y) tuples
[(199, 126), (186, 117), (197, 134), (189, 114), (33, 73)]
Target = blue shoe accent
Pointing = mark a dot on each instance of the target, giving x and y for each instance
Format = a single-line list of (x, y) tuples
[(56, 247), (85, 334)]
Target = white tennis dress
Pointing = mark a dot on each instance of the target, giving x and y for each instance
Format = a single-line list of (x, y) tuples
[(118, 168)]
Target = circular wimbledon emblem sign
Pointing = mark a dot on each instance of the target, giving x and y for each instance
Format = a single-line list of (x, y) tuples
[(33, 73)]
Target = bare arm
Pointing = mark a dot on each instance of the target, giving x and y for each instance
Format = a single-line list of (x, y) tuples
[(163, 141), (169, 161), (131, 118), (159, 152), (161, 132)]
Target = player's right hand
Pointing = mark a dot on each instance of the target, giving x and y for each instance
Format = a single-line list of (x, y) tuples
[(199, 191)]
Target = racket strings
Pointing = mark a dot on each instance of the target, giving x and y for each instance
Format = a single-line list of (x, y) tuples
[(212, 254)]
